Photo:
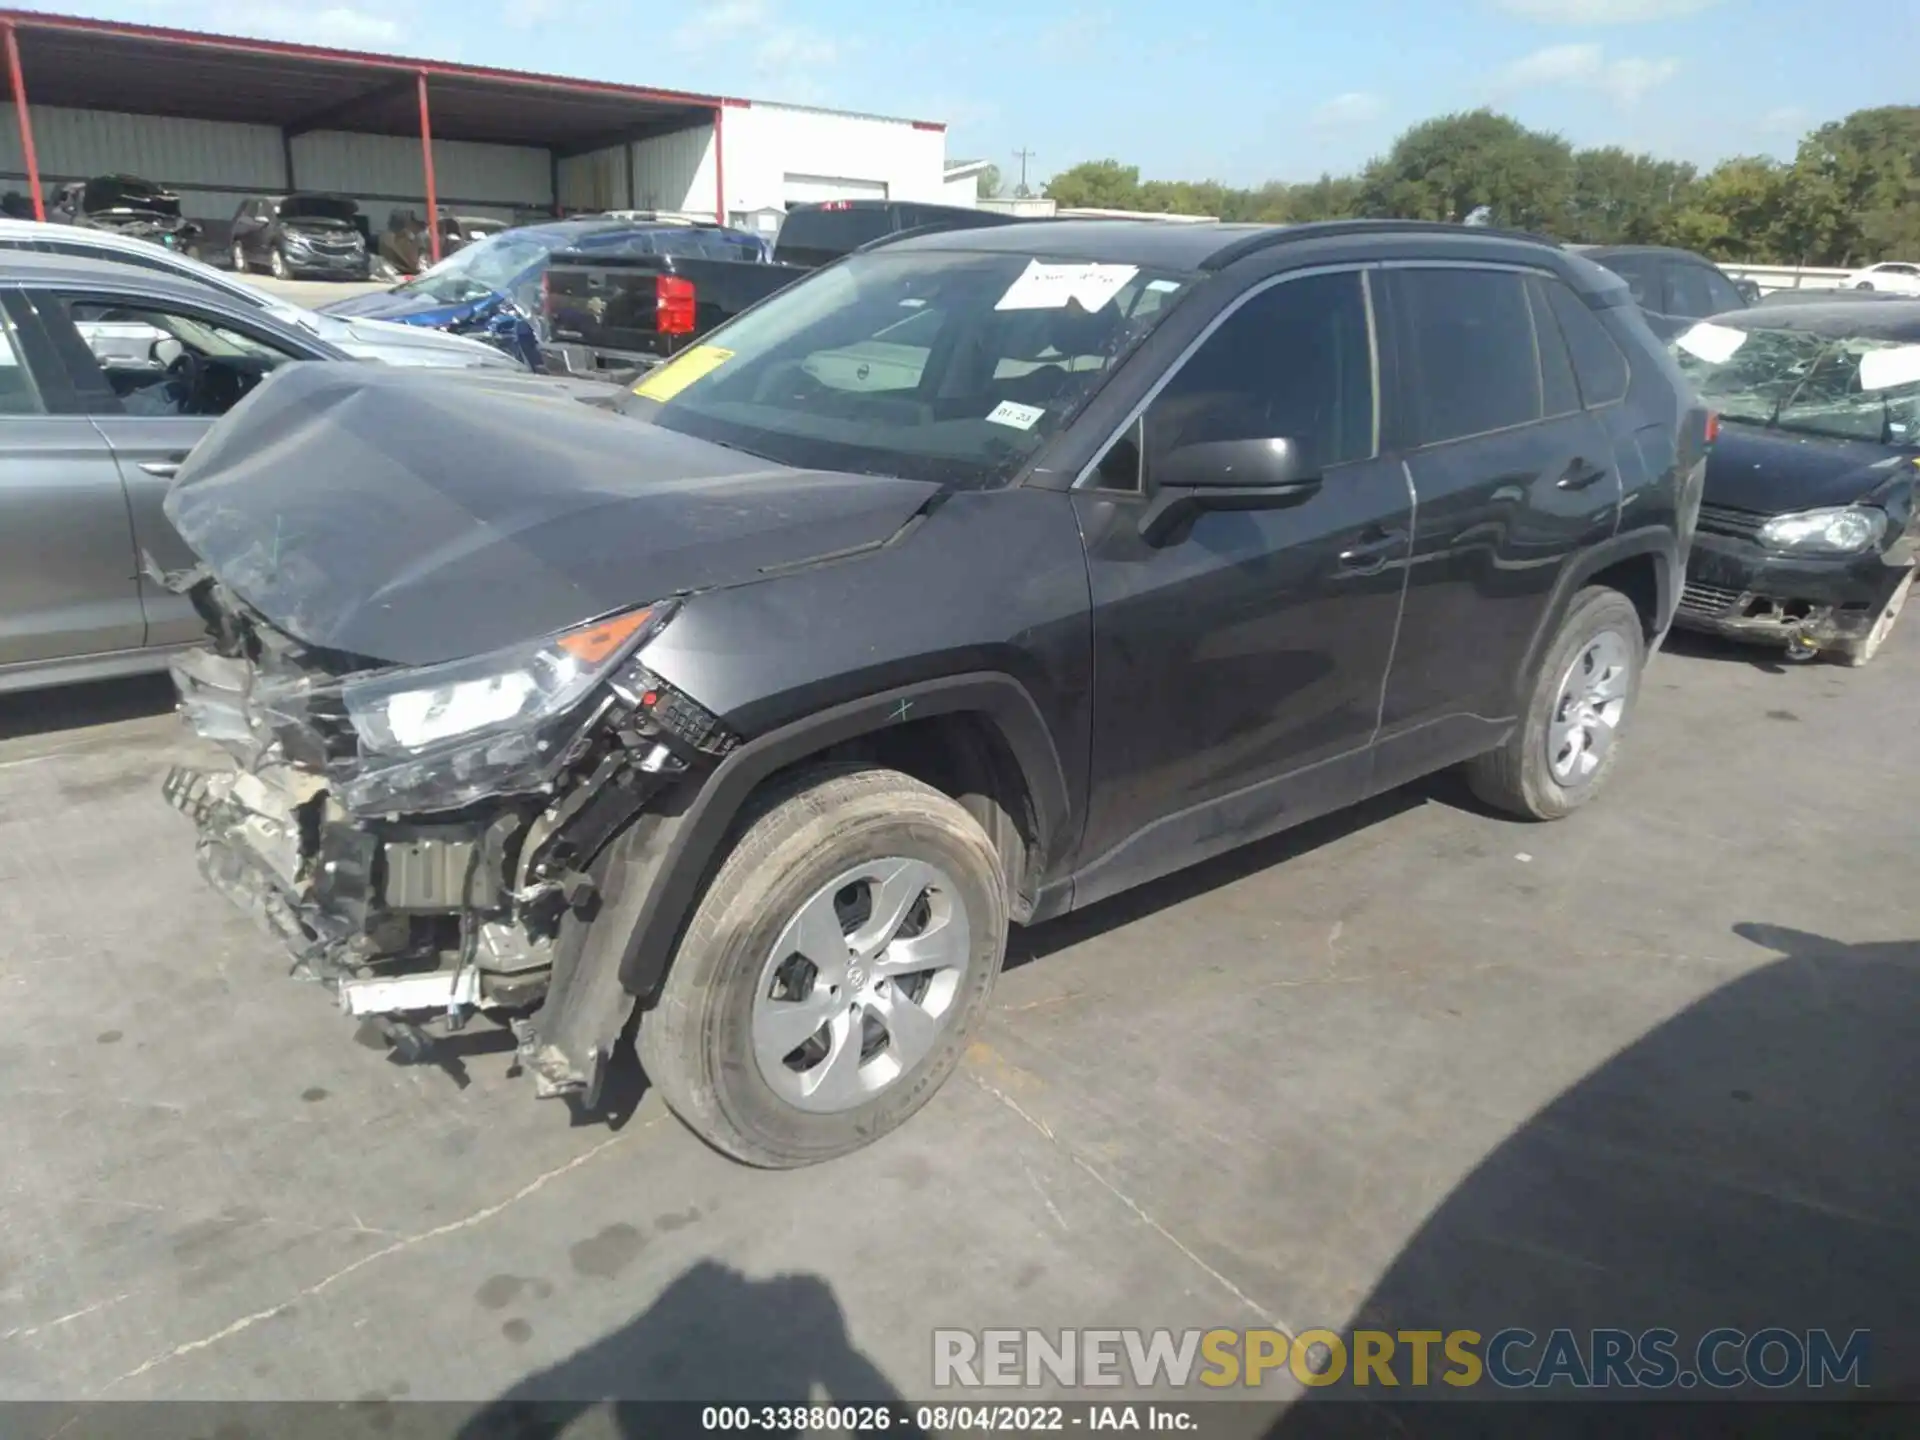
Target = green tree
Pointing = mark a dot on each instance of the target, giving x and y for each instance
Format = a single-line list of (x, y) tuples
[(1857, 184), (1097, 184), (1444, 169), (1620, 198), (988, 183)]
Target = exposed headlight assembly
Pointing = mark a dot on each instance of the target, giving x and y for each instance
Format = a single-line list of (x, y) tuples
[(443, 736), (1835, 530)]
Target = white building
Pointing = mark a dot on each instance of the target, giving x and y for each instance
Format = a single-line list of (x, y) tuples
[(219, 118)]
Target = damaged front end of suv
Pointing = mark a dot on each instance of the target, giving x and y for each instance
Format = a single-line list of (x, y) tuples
[(420, 837)]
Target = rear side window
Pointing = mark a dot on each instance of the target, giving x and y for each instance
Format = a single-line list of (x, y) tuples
[(1697, 291), (829, 234), (1472, 351), (1597, 361), (1642, 275), (1559, 393)]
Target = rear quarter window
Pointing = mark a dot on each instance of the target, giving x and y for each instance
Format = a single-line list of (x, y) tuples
[(1598, 363)]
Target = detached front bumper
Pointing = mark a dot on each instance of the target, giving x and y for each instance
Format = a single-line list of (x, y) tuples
[(1734, 587)]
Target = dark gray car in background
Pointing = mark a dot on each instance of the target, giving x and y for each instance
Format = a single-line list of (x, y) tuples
[(109, 375)]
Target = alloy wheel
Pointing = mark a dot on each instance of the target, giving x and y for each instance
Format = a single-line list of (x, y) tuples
[(861, 984), (1591, 703)]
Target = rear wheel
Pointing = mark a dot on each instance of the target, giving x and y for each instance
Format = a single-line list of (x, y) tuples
[(1568, 740), (1861, 652), (833, 970)]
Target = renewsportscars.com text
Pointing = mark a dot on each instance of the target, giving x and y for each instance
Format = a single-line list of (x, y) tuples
[(1511, 1359)]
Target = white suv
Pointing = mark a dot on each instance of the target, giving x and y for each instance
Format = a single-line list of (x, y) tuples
[(363, 339), (1894, 275)]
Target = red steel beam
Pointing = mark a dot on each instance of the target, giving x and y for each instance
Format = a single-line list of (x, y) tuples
[(426, 156), (18, 81)]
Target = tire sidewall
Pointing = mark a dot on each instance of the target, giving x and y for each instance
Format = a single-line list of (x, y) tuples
[(1591, 616), (278, 263), (746, 931)]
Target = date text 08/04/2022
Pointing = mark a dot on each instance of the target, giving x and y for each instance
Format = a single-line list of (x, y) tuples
[(925, 1419)]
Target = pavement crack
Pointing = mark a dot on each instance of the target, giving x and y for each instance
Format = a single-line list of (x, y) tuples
[(1045, 1198), (27, 1332), (1139, 1211), (247, 1322)]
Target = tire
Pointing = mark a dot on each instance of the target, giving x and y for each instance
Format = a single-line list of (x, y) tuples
[(238, 257), (1861, 652), (730, 1003), (277, 262), (1521, 777), (1864, 285)]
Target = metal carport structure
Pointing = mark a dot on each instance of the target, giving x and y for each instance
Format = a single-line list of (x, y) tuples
[(84, 64)]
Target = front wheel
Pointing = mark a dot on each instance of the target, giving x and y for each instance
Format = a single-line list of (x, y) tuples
[(277, 262), (238, 257), (833, 970), (1568, 739), (1864, 285)]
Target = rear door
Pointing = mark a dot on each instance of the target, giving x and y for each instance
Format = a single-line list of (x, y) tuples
[(1510, 477), (67, 585)]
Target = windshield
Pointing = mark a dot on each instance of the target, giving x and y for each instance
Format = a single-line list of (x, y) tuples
[(493, 266), (1846, 387), (951, 367), (318, 207)]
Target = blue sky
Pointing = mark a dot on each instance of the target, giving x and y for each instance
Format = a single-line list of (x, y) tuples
[(1236, 90)]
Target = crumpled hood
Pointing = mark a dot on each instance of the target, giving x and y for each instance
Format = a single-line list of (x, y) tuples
[(415, 516), (406, 308), (1775, 471)]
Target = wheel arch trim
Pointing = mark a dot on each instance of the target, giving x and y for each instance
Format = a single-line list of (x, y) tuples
[(1654, 541), (702, 827)]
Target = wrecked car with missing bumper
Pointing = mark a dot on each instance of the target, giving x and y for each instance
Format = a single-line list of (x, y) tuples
[(977, 577)]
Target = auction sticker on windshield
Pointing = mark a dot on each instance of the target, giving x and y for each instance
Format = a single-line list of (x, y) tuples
[(680, 372), (1020, 417), (1050, 287)]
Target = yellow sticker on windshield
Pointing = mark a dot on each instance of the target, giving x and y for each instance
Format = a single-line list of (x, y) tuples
[(681, 371)]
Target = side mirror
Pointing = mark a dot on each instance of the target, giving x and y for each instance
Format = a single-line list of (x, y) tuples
[(1233, 464), (1264, 474)]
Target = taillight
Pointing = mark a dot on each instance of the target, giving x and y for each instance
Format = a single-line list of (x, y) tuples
[(1713, 427), (673, 304), (546, 295)]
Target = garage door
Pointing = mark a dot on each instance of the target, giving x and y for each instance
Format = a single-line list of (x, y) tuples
[(809, 189)]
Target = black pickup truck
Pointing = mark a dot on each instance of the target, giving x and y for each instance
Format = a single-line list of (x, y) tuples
[(612, 315)]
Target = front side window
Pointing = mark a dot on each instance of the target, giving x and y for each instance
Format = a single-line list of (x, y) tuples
[(946, 366), (1294, 363), (1474, 367), (1697, 291), (18, 394), (160, 362), (1846, 387)]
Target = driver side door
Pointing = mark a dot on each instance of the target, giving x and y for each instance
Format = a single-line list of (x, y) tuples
[(116, 350)]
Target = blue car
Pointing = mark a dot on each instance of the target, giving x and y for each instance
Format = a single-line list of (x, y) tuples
[(491, 288)]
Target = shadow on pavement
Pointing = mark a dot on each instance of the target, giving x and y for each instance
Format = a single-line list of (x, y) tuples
[(714, 1335), (1751, 1163), (74, 707)]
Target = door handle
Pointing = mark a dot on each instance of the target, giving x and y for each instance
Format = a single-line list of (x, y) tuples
[(1579, 475), (163, 469), (1370, 557)]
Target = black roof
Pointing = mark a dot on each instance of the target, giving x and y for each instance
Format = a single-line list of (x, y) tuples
[(1864, 319), (1597, 252), (1208, 245)]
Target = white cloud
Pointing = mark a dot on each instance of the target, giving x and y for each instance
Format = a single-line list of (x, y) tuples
[(331, 25), (1603, 12), (1356, 107), (526, 14), (789, 54), (1586, 67), (340, 26)]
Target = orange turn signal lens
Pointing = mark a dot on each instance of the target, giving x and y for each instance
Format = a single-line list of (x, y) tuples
[(592, 644)]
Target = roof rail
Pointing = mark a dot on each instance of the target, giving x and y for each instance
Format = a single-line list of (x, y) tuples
[(1315, 229)]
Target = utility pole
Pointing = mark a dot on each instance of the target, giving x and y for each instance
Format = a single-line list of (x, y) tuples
[(1023, 156)]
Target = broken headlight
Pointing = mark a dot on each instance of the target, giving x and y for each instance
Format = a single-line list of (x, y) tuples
[(442, 736), (1839, 530)]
